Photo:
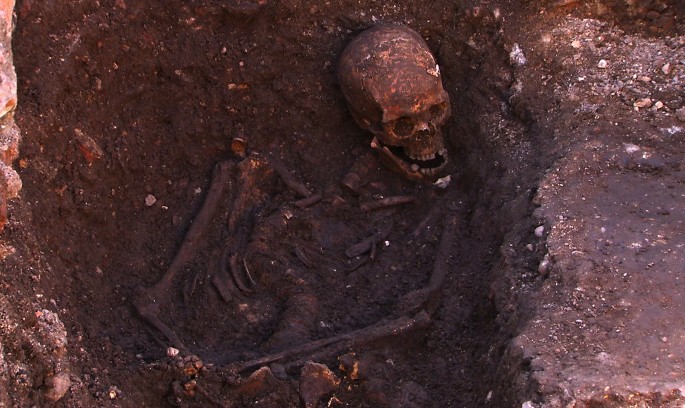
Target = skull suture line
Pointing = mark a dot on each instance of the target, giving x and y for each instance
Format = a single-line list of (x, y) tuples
[(393, 89)]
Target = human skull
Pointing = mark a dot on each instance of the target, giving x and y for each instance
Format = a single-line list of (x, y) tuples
[(393, 89)]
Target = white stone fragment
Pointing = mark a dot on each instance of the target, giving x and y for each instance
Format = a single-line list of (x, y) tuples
[(631, 148), (543, 268), (443, 182), (666, 68), (150, 200), (517, 56)]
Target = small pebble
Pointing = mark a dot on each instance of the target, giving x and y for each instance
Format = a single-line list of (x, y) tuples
[(631, 148), (664, 339), (279, 371), (680, 114), (658, 105), (543, 268), (443, 182), (57, 386), (172, 352), (539, 231), (602, 64), (643, 103), (576, 44), (529, 247), (666, 68), (150, 200), (190, 385), (239, 147)]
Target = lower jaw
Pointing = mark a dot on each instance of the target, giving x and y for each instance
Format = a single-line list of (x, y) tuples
[(414, 171)]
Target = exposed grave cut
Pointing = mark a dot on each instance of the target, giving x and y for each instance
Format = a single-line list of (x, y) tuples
[(323, 254)]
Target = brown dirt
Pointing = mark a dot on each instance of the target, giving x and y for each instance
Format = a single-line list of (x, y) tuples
[(123, 100)]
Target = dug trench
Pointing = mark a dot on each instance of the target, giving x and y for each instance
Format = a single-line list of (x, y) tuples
[(128, 107)]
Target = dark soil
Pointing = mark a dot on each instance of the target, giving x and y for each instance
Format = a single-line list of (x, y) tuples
[(122, 102)]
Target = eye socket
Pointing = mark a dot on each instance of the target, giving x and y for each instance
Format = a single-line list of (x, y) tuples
[(438, 110), (403, 127)]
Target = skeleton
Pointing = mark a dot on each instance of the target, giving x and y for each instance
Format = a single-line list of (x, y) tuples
[(253, 265), (392, 85), (246, 184)]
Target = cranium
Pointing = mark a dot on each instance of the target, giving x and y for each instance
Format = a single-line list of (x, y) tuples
[(393, 89)]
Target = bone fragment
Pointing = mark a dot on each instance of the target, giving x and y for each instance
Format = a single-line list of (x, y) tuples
[(297, 321), (424, 223), (367, 244), (189, 288), (223, 286), (303, 256), (255, 177), (150, 312), (289, 179), (428, 297), (220, 180), (386, 202), (396, 327), (353, 180), (231, 263), (248, 274), (351, 183), (147, 301), (308, 201), (441, 263)]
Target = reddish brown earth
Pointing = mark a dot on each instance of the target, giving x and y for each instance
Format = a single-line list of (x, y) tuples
[(565, 114)]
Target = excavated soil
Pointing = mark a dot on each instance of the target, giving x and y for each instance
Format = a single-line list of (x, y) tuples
[(127, 107)]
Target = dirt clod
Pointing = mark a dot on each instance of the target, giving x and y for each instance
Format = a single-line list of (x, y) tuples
[(57, 386), (316, 381)]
